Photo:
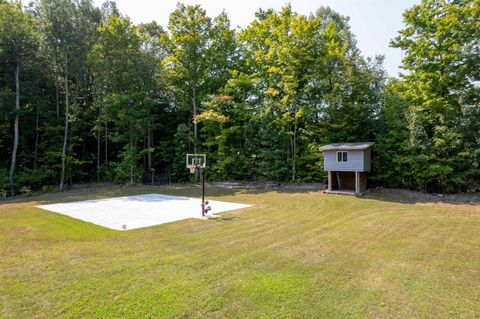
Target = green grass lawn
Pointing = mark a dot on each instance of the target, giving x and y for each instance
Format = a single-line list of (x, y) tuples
[(295, 254)]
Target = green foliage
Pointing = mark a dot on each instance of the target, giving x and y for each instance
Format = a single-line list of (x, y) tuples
[(183, 141), (3, 183), (125, 87), (287, 57), (441, 94), (26, 191), (18, 42), (34, 179), (130, 115), (17, 33), (272, 161), (127, 170), (258, 101)]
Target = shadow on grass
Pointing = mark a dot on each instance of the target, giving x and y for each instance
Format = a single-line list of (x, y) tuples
[(404, 196), (222, 219)]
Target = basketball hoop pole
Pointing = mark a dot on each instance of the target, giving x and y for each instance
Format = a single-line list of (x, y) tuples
[(197, 162), (202, 178)]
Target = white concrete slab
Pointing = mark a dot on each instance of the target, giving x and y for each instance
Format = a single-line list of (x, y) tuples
[(138, 211)]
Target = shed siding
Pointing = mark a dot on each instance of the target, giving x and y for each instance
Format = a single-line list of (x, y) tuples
[(355, 162)]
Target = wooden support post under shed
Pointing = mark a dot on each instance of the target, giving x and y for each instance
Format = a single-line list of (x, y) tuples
[(357, 184), (329, 181)]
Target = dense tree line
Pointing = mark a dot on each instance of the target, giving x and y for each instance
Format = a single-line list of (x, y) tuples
[(87, 96)]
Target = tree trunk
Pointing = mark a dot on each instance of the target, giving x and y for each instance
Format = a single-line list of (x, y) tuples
[(144, 155), (132, 176), (195, 127), (294, 150), (65, 136), (15, 138), (37, 137), (98, 147), (149, 146), (106, 148), (57, 98), (57, 90)]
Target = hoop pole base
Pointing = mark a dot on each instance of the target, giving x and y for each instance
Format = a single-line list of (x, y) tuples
[(202, 177)]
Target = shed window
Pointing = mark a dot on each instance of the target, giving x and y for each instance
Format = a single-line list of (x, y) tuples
[(342, 157)]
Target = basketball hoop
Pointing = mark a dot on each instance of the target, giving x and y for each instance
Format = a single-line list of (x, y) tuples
[(196, 162)]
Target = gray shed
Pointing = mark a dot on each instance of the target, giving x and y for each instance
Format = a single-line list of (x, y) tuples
[(347, 165)]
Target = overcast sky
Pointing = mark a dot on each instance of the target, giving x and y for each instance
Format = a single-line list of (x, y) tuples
[(374, 22)]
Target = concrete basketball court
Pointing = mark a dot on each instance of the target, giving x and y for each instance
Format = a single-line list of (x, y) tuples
[(131, 212)]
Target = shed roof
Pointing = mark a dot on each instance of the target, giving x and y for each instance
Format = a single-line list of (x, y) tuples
[(346, 146)]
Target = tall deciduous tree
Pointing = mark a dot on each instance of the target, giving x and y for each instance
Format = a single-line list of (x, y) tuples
[(69, 30), (154, 40), (190, 32), (126, 89), (441, 42), (293, 51), (58, 28), (312, 79), (17, 44)]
